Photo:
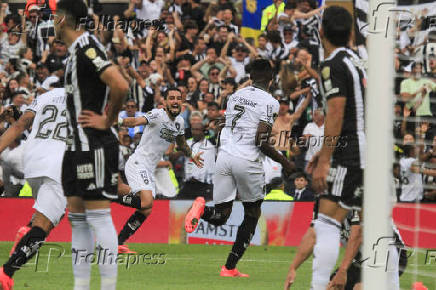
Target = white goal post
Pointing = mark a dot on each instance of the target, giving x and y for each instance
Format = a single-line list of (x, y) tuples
[(378, 184)]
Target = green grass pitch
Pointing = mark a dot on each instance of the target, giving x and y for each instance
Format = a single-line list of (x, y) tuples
[(189, 267)]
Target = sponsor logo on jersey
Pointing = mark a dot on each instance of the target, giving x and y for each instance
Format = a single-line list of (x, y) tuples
[(85, 171), (100, 63), (326, 73), (168, 134), (91, 186)]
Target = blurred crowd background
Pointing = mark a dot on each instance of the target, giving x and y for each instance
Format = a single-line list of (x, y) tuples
[(204, 48)]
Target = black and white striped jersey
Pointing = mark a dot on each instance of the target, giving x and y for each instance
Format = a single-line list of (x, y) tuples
[(343, 75), (84, 89)]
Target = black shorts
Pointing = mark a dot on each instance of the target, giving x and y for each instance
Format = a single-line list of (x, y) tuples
[(345, 186), (92, 175)]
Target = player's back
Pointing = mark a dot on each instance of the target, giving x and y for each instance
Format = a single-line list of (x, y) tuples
[(246, 108), (45, 145)]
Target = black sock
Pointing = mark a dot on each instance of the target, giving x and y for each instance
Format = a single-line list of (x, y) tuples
[(209, 211), (130, 200), (26, 248), (132, 225), (243, 237)]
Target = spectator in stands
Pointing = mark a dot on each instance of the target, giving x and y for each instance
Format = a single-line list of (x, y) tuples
[(240, 58), (314, 134), (276, 192), (301, 192), (411, 177), (198, 181), (271, 11), (131, 111), (416, 90), (201, 68)]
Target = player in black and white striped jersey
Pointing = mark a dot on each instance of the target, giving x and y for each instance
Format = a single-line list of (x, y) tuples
[(338, 167), (95, 91)]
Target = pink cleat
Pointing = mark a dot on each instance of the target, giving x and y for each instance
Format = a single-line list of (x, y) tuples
[(232, 273), (194, 214), (21, 232), (124, 249), (6, 282)]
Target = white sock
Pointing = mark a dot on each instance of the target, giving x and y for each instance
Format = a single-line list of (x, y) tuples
[(82, 243), (326, 250), (101, 224)]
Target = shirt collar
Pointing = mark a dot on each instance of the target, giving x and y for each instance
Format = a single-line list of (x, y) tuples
[(73, 46)]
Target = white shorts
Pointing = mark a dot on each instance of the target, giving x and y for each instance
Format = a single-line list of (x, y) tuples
[(49, 198), (164, 184), (236, 175), (139, 177)]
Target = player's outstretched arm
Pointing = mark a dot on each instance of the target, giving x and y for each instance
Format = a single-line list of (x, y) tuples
[(183, 146), (340, 279), (133, 121), (118, 91), (17, 128), (262, 141), (304, 251)]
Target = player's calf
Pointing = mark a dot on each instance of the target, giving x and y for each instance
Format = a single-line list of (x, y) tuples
[(217, 215), (245, 233)]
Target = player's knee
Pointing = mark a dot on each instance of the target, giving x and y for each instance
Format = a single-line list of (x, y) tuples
[(42, 222), (146, 200), (252, 210), (145, 211)]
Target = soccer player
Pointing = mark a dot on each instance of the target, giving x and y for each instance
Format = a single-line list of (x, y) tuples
[(250, 114), (162, 128), (47, 117), (95, 88), (348, 275), (338, 170)]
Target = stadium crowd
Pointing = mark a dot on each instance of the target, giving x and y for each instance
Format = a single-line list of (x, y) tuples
[(197, 47)]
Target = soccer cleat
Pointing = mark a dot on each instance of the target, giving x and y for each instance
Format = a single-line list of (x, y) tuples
[(123, 249), (21, 232), (231, 273), (6, 282), (194, 214)]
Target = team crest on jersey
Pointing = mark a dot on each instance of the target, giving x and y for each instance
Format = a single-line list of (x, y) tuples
[(326, 72), (91, 53), (168, 134)]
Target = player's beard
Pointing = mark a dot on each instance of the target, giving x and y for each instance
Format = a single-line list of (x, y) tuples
[(172, 112)]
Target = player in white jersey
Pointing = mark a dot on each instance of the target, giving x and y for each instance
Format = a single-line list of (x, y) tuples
[(411, 188), (163, 127), (43, 153), (250, 114)]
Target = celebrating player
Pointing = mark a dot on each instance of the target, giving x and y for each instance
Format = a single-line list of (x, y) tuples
[(90, 164), (47, 117), (163, 127), (342, 178), (249, 116)]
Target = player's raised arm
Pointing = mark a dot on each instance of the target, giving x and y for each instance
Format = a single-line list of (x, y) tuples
[(183, 146), (17, 128), (262, 137)]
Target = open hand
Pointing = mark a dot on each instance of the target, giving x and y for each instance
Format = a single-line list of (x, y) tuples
[(90, 119)]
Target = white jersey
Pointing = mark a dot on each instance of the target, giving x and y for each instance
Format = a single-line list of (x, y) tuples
[(204, 174), (158, 134), (411, 188), (246, 108), (45, 145)]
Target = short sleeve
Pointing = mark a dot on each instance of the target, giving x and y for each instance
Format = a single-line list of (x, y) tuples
[(152, 116), (94, 58), (180, 126), (308, 129), (270, 112), (404, 87), (334, 80), (35, 106)]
